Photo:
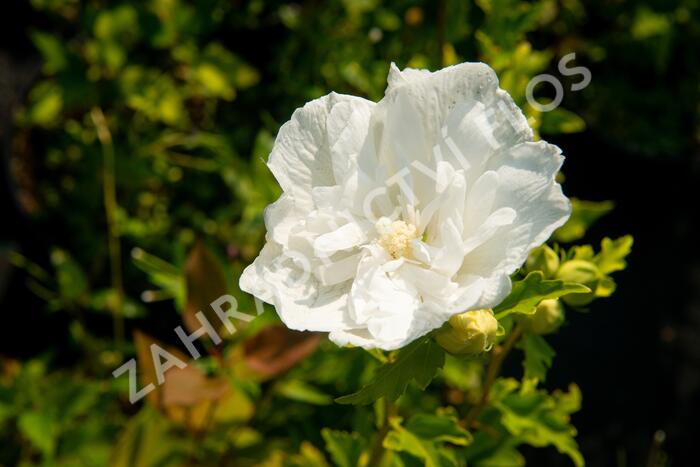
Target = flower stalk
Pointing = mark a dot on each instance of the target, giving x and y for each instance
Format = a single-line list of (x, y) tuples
[(378, 449), (109, 189), (499, 355)]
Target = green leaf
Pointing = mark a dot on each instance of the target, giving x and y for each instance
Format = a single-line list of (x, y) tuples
[(154, 95), (442, 427), (538, 356), (303, 392), (503, 456), (52, 51), (163, 274), (345, 448), (46, 104), (593, 269), (41, 429), (309, 456), (417, 362), (584, 214), (147, 441), (529, 292), (72, 281), (540, 419), (612, 254), (423, 437)]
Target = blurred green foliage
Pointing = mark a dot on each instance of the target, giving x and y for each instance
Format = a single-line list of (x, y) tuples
[(148, 131)]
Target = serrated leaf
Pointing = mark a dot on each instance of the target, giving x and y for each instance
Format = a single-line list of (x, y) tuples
[(345, 448), (538, 356), (540, 419), (424, 436), (417, 362), (439, 427), (612, 254), (529, 292)]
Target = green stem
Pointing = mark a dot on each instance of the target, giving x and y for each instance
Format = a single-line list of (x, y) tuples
[(377, 452), (109, 190), (494, 368)]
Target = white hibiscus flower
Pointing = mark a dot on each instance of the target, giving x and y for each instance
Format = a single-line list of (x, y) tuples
[(399, 214)]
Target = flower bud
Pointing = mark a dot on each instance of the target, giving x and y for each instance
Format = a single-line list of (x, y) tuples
[(547, 318), (543, 259), (469, 333), (583, 272)]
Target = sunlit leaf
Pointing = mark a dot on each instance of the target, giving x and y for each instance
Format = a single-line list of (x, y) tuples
[(612, 254), (529, 292), (538, 356), (418, 362), (423, 437), (540, 419), (41, 429)]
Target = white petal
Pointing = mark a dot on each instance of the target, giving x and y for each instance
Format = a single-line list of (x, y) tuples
[(480, 199), (337, 271), (348, 124), (429, 282), (527, 185), (499, 218), (449, 256), (398, 78), (347, 236), (301, 301), (251, 280), (480, 292), (280, 217), (301, 156), (434, 95)]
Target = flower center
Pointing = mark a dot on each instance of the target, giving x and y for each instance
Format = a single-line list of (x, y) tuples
[(396, 236)]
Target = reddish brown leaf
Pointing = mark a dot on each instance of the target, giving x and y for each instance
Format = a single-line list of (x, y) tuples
[(189, 386), (187, 396), (206, 282), (276, 349), (146, 367)]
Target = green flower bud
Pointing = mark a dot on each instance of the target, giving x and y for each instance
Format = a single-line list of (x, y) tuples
[(547, 318), (469, 333), (543, 259), (583, 272)]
